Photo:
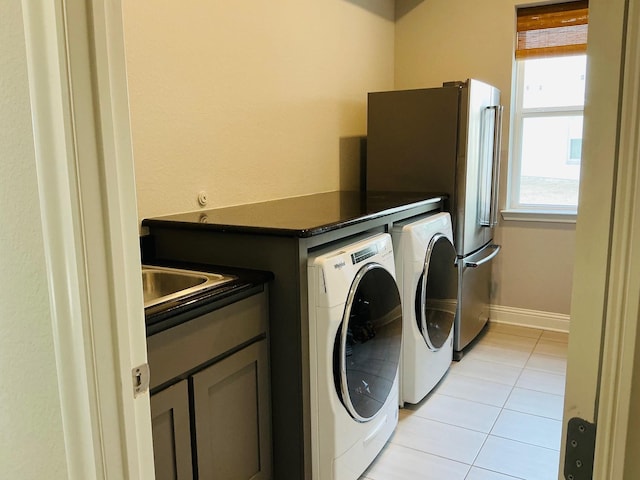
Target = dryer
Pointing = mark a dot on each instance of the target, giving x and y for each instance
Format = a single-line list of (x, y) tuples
[(355, 337), (428, 279)]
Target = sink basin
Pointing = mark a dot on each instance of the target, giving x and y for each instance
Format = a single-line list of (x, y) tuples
[(162, 284)]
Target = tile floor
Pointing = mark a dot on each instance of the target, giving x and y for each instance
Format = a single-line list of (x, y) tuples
[(496, 415)]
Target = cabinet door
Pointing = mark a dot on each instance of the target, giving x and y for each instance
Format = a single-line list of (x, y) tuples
[(171, 433), (232, 417)]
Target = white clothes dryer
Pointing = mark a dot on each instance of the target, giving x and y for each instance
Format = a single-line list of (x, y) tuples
[(355, 337), (428, 279)]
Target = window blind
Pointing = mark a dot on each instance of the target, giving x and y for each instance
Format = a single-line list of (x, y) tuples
[(552, 30)]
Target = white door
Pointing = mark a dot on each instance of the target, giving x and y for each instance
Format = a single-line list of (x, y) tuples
[(602, 366), (367, 347), (436, 293)]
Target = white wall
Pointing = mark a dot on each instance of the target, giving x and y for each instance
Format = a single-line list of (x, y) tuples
[(251, 101), (441, 40), (31, 437)]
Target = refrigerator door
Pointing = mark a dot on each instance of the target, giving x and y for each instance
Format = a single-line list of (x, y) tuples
[(478, 166), (474, 284)]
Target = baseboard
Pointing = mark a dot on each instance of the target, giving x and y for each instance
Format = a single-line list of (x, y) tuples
[(558, 322)]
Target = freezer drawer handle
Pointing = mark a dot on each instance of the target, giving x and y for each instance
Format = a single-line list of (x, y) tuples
[(491, 256)]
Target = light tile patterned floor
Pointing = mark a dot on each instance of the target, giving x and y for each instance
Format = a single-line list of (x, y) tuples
[(496, 415)]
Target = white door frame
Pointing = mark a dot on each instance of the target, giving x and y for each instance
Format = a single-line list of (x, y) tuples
[(615, 456), (78, 89), (606, 290)]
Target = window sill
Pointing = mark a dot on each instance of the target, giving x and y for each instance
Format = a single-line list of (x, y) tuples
[(541, 215)]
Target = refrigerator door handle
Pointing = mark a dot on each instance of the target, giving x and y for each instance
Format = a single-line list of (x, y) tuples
[(495, 174), (488, 258)]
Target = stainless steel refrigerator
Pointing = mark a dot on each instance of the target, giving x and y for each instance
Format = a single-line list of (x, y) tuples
[(445, 139)]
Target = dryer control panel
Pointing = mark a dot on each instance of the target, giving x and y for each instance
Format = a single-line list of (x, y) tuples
[(362, 255)]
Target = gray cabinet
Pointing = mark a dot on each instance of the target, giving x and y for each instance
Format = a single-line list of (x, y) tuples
[(232, 416), (210, 402), (171, 433)]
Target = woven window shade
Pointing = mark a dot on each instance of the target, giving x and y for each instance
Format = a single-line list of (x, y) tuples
[(552, 30)]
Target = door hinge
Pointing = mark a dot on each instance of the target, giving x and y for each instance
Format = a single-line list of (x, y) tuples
[(140, 377), (580, 449)]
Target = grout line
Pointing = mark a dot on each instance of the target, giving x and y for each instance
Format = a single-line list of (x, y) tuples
[(458, 426), (547, 371), (415, 449), (489, 358), (502, 408), (497, 326), (532, 414), (531, 337), (475, 401), (551, 340), (484, 379), (486, 437), (525, 443), (538, 391), (494, 471), (496, 362)]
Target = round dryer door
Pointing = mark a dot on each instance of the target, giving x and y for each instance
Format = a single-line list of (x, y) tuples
[(437, 292), (368, 343)]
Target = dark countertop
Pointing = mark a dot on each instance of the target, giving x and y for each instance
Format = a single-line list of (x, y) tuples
[(303, 216), (248, 282)]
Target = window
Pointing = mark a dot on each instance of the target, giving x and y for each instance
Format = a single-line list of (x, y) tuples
[(549, 104)]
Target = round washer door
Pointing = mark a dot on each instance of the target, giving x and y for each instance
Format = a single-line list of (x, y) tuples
[(367, 346), (437, 296)]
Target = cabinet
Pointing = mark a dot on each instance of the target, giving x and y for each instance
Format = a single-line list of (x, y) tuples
[(277, 236), (171, 432), (230, 402), (210, 402)]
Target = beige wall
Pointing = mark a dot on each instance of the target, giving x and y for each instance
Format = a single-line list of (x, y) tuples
[(255, 101), (251, 101), (441, 40), (31, 436), (534, 270)]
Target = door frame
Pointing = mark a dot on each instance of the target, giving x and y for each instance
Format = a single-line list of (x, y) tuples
[(614, 455), (80, 114), (606, 290)]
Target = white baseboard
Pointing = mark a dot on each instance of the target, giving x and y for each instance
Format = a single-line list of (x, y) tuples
[(558, 322)]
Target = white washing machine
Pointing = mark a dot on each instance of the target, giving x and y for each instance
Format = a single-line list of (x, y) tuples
[(355, 342), (428, 279)]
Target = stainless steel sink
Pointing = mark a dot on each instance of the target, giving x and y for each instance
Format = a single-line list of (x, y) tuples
[(162, 284)]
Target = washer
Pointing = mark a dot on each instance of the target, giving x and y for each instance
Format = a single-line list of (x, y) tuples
[(355, 343), (428, 279)]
